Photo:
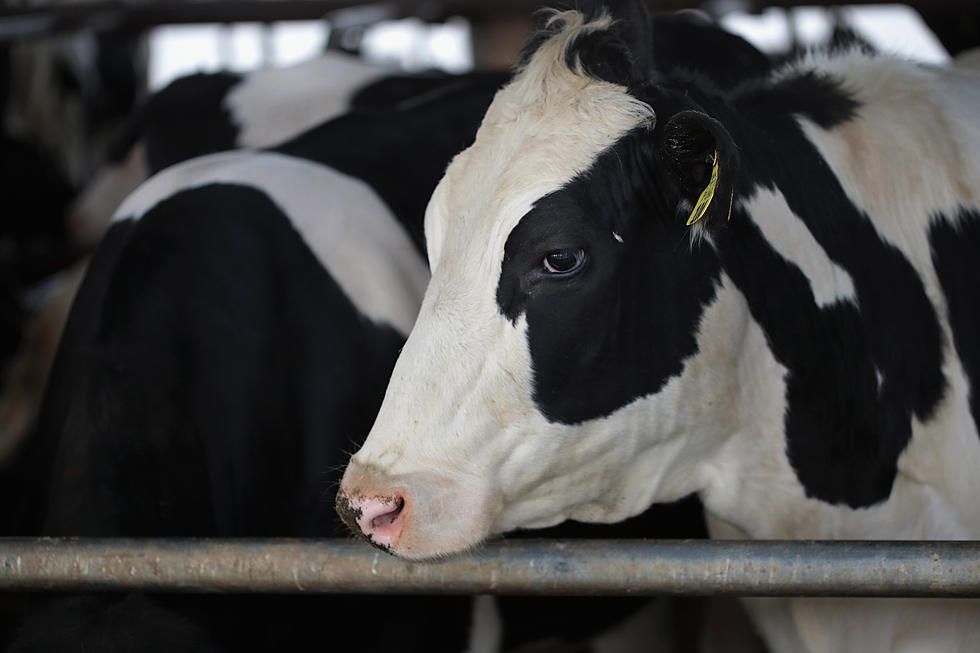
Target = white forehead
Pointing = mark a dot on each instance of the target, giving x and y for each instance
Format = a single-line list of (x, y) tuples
[(542, 130)]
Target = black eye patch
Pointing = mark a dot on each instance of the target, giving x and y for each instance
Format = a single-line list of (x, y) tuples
[(611, 289)]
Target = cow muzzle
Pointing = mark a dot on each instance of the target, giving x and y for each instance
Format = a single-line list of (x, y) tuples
[(415, 516), (378, 518)]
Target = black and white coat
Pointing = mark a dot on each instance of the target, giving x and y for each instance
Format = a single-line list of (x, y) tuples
[(228, 347), (804, 357), (213, 112)]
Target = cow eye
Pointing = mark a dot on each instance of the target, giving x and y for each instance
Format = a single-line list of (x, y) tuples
[(564, 261)]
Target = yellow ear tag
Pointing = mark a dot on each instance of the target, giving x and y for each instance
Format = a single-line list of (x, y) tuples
[(708, 194)]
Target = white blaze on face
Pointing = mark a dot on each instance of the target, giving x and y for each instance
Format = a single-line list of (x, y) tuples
[(458, 437)]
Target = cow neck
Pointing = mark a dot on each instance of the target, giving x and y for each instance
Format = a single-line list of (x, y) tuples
[(850, 403)]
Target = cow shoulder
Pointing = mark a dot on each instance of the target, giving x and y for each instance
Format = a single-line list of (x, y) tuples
[(835, 156)]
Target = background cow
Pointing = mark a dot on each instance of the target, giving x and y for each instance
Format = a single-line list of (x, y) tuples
[(214, 112), (644, 285), (231, 340), (193, 116)]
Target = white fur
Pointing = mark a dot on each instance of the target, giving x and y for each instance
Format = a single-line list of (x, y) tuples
[(469, 413), (273, 104), (350, 230), (460, 400), (789, 236), (269, 106)]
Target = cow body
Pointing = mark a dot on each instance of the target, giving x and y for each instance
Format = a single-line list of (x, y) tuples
[(645, 285), (230, 342)]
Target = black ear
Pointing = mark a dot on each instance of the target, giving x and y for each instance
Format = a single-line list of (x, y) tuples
[(705, 161), (623, 54), (633, 25)]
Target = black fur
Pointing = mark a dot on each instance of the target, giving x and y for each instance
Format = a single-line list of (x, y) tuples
[(844, 433), (594, 345), (955, 241), (188, 118), (640, 49), (240, 361), (213, 380), (417, 141)]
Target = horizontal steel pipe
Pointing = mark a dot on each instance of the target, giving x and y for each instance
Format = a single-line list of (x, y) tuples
[(578, 567), (27, 20)]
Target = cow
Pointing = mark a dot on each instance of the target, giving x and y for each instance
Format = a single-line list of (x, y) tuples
[(644, 285), (195, 115), (204, 113), (231, 340)]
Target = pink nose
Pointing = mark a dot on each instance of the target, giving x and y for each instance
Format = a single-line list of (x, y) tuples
[(380, 519)]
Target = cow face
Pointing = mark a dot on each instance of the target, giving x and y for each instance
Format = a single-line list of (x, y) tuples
[(563, 311)]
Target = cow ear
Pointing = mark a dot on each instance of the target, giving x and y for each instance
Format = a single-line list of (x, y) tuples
[(705, 160), (633, 25), (621, 54)]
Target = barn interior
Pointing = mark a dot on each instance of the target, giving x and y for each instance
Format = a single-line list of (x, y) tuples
[(77, 76)]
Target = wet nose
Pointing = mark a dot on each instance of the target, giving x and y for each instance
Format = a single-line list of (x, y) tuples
[(378, 518)]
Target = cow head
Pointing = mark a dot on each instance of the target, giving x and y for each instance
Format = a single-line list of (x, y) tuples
[(554, 369)]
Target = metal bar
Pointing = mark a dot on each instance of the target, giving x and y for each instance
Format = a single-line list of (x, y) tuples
[(118, 13), (132, 15), (571, 567)]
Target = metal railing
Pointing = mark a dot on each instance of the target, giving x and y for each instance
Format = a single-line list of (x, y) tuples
[(25, 20), (569, 567)]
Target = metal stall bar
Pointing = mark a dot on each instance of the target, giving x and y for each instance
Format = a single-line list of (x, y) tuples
[(37, 19), (576, 567)]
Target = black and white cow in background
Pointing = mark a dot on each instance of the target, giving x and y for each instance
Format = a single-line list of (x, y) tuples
[(213, 112), (803, 356), (231, 340), (193, 116)]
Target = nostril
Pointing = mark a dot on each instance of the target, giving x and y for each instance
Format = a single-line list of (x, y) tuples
[(383, 521), (379, 518)]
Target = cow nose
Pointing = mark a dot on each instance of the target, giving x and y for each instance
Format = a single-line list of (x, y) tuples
[(379, 518)]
